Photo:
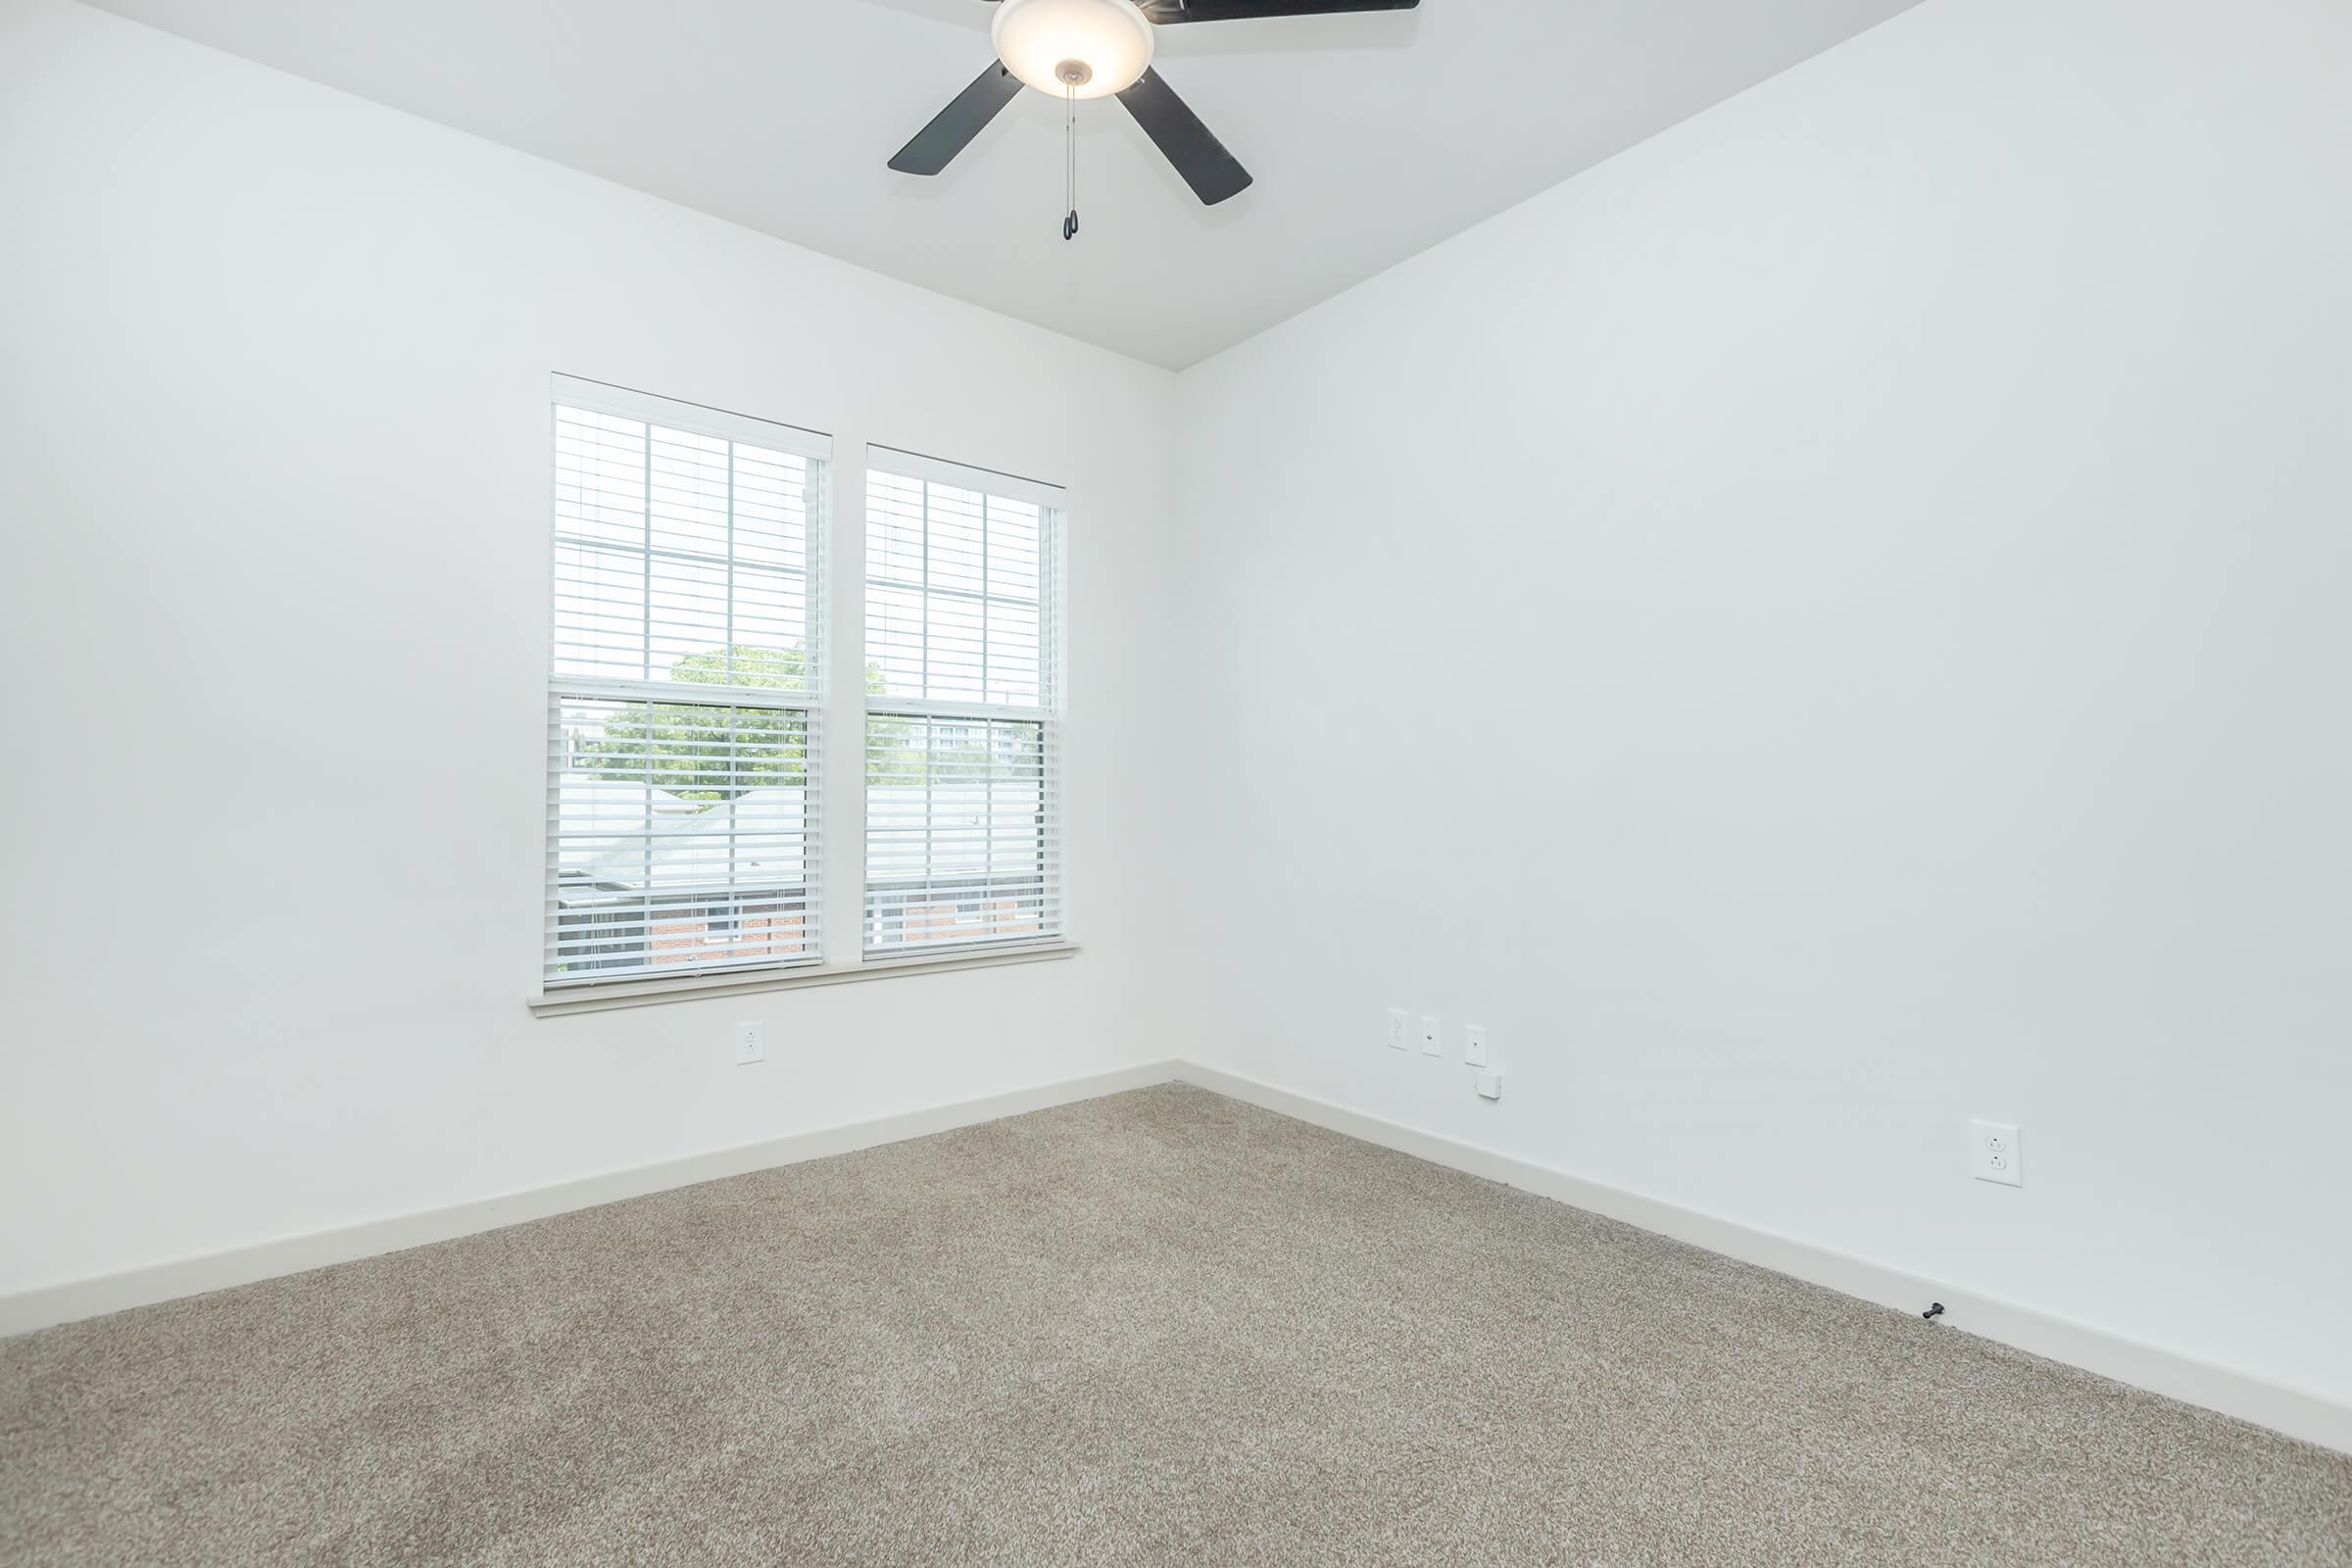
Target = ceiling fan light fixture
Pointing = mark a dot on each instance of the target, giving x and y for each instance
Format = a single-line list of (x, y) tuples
[(1075, 48), (1093, 49)]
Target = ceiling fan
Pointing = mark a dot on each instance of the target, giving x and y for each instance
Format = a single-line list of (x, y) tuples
[(1075, 49)]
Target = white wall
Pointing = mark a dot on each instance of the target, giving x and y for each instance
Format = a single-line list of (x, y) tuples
[(1830, 625), (273, 626)]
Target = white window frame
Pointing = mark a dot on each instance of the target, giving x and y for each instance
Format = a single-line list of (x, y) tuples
[(807, 704), (1053, 504), (836, 707)]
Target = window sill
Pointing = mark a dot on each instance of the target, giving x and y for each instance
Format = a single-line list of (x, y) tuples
[(645, 992)]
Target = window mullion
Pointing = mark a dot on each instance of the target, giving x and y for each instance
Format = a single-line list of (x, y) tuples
[(644, 913), (734, 777), (842, 884)]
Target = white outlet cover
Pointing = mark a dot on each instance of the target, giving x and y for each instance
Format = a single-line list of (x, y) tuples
[(1433, 1038), (1397, 1029), (751, 1042), (1473, 1044), (1489, 1084), (1997, 1153)]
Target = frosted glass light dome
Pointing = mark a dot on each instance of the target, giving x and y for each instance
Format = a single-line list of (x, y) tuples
[(1084, 48)]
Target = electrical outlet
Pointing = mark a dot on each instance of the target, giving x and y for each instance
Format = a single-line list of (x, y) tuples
[(1489, 1082), (1397, 1029), (751, 1042), (1474, 1044), (1997, 1154), (1433, 1039)]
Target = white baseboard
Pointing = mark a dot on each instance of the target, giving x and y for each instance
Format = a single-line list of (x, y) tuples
[(21, 1311), (2146, 1366)]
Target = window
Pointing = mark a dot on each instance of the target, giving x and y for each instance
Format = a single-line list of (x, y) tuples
[(685, 691), (963, 742), (688, 823)]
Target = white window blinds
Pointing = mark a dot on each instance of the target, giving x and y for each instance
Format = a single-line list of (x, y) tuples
[(962, 731), (685, 690)]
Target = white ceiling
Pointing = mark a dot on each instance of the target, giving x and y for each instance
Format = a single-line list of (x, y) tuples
[(1372, 136)]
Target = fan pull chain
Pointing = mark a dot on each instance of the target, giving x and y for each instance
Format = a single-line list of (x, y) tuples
[(1069, 159)]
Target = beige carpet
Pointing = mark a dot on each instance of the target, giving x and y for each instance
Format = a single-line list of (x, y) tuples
[(1159, 1328)]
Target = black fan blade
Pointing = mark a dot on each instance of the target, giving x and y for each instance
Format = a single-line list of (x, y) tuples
[(1189, 145), (953, 128), (1168, 11)]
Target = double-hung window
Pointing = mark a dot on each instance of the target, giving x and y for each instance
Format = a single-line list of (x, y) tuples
[(686, 691), (696, 702), (962, 731)]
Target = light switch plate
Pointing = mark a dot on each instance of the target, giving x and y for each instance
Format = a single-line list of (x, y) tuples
[(1997, 1154)]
